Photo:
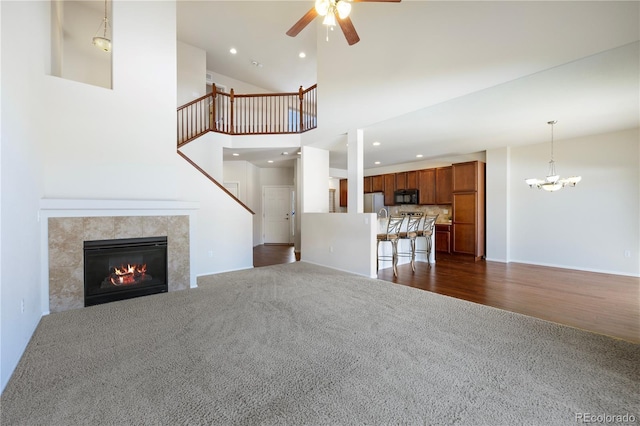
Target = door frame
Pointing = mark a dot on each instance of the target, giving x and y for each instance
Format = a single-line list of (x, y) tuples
[(292, 207)]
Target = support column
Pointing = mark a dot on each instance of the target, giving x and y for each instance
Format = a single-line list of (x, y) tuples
[(355, 171)]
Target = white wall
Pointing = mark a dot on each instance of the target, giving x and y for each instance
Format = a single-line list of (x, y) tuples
[(238, 171), (224, 227), (251, 180), (254, 197), (192, 69), (426, 164), (588, 227), (97, 141), (24, 61), (498, 180), (315, 180), (207, 152), (238, 86), (276, 176), (68, 140), (341, 241), (76, 58)]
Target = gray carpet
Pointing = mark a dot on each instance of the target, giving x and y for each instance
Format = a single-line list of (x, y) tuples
[(300, 344)]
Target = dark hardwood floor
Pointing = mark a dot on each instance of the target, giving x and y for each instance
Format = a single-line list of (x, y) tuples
[(601, 303)]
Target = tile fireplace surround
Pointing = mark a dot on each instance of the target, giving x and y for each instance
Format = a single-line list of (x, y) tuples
[(68, 224)]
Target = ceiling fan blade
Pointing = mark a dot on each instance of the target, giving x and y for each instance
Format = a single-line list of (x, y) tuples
[(349, 30), (303, 22)]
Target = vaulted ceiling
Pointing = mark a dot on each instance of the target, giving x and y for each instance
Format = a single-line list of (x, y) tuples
[(436, 78)]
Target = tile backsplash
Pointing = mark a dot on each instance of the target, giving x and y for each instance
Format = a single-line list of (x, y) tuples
[(444, 211)]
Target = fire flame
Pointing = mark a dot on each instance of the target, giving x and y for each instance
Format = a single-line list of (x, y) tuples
[(130, 274)]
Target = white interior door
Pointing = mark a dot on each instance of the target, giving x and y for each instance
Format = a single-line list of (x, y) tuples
[(277, 211)]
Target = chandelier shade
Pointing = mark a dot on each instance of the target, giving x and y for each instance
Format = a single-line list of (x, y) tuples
[(552, 182), (103, 42)]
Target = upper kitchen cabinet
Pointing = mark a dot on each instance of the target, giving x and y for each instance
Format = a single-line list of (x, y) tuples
[(467, 176), (343, 192), (401, 180), (427, 186), (389, 189), (412, 179), (407, 180), (377, 183), (444, 185), (367, 184)]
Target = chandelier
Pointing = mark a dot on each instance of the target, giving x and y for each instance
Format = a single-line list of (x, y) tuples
[(102, 42), (552, 182), (329, 9)]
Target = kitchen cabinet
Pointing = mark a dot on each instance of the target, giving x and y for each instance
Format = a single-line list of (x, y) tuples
[(407, 180), (444, 185), (389, 189), (377, 183), (367, 184), (466, 176), (427, 186), (469, 209), (401, 180), (443, 238), (412, 179), (343, 192)]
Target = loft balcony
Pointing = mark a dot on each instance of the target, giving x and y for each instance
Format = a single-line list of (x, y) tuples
[(248, 114)]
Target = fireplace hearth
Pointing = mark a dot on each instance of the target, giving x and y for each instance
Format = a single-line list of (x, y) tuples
[(121, 269)]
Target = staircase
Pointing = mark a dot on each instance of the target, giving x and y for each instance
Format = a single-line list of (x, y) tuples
[(252, 114)]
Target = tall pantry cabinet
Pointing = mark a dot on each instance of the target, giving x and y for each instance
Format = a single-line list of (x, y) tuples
[(469, 209)]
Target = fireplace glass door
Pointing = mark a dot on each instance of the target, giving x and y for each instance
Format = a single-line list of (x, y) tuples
[(124, 268)]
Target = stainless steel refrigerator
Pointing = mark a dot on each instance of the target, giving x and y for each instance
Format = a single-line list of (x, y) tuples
[(373, 202)]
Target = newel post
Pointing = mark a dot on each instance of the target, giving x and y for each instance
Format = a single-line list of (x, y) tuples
[(301, 96), (212, 109), (232, 107)]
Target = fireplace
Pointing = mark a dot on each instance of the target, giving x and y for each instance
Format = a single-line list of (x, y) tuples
[(124, 268)]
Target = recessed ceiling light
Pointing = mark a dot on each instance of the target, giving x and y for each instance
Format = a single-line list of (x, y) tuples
[(233, 51), (235, 154), (256, 64), (377, 162), (270, 161), (302, 55), (299, 152), (285, 153), (376, 144), (419, 156)]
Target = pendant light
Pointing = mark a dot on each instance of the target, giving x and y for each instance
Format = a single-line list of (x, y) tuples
[(103, 42), (552, 182)]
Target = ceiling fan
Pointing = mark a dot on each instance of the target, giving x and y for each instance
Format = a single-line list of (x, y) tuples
[(333, 10)]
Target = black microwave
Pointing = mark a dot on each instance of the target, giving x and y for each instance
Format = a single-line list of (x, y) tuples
[(406, 196)]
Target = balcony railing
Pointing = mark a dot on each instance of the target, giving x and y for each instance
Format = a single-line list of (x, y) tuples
[(253, 114)]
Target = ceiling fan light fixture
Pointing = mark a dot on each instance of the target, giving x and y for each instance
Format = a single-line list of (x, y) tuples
[(322, 7), (330, 19), (344, 8)]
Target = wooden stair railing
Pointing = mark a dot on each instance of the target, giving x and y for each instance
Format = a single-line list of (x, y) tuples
[(208, 176), (252, 114)]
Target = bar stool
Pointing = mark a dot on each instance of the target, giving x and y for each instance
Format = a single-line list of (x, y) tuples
[(391, 236), (411, 233), (428, 228)]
